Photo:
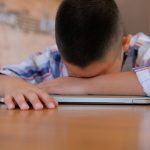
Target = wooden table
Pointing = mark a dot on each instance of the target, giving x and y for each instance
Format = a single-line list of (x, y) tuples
[(76, 128)]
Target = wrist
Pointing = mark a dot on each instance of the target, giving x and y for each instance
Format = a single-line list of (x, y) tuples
[(8, 83), (88, 86), (3, 85)]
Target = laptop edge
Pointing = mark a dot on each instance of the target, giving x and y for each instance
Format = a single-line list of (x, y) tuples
[(99, 99)]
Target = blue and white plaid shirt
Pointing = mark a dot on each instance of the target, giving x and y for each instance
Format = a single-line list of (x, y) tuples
[(41, 66), (48, 65)]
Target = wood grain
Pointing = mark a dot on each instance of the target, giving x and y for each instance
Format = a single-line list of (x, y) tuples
[(76, 128)]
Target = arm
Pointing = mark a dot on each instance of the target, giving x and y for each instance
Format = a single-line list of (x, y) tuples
[(35, 69), (16, 82), (124, 83)]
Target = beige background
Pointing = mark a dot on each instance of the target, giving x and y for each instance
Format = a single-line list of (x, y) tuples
[(136, 15), (16, 45)]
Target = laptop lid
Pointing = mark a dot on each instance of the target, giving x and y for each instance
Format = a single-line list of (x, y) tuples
[(95, 99)]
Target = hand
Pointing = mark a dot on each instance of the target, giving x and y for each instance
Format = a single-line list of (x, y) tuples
[(65, 86), (17, 91)]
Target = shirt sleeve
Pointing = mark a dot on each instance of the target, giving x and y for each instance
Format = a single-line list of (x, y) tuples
[(143, 75), (142, 70), (39, 67)]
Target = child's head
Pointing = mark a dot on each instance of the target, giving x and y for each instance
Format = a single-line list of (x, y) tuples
[(89, 35)]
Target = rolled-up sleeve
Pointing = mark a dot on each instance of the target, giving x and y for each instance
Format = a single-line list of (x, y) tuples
[(142, 65), (39, 67), (143, 75)]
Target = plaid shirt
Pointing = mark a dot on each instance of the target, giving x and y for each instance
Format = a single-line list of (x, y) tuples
[(48, 65), (41, 66)]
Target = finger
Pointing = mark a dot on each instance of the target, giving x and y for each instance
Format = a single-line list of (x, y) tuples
[(34, 100), (48, 101), (9, 102), (20, 100)]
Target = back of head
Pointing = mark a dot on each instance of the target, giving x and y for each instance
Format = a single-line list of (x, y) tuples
[(87, 29)]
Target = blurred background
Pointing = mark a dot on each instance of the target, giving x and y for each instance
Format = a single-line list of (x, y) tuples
[(27, 26)]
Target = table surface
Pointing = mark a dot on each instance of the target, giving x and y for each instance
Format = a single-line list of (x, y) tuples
[(76, 127)]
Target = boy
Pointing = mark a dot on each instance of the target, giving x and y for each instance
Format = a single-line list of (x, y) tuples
[(89, 36)]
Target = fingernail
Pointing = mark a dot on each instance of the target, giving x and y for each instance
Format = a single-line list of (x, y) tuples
[(51, 105), (24, 106), (11, 106), (38, 106)]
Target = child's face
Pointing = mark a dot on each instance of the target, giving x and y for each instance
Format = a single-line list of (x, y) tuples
[(109, 65)]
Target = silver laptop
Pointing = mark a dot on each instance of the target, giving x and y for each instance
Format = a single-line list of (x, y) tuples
[(70, 99), (102, 99)]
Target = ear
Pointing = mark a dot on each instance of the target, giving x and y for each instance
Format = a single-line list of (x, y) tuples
[(126, 42)]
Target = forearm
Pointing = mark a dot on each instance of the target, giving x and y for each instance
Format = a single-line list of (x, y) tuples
[(6, 82), (3, 80), (124, 83)]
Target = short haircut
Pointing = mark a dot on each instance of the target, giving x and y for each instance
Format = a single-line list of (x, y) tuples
[(87, 29)]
